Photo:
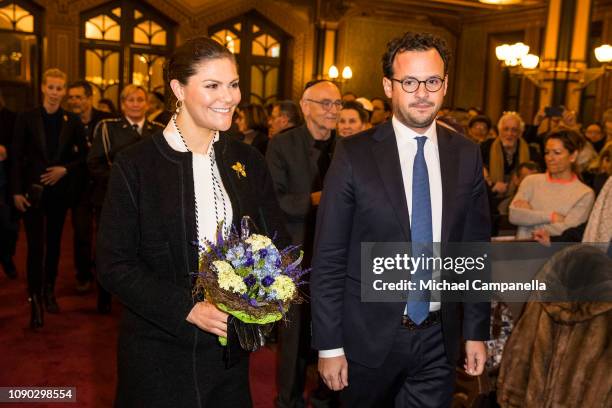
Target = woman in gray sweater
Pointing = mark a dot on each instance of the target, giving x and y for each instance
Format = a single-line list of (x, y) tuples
[(557, 199)]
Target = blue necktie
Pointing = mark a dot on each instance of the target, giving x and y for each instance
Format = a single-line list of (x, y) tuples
[(421, 233)]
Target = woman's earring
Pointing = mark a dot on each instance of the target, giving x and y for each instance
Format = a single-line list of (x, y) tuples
[(179, 104)]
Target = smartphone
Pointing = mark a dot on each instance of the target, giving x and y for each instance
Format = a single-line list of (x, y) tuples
[(553, 111), (34, 195)]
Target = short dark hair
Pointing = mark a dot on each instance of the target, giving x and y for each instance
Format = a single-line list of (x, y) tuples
[(185, 60), (480, 118), (529, 165), (81, 84), (601, 127), (255, 117), (386, 104), (414, 42), (357, 107), (571, 140), (291, 110), (110, 105)]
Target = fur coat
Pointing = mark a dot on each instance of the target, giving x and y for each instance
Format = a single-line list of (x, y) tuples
[(559, 353)]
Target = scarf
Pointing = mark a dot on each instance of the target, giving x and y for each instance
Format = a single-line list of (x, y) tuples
[(496, 158)]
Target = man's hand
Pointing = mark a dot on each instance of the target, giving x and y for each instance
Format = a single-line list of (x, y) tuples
[(521, 204), (334, 372), (539, 117), (500, 187), (21, 203), (315, 198), (207, 317), (476, 355), (569, 118), (53, 175)]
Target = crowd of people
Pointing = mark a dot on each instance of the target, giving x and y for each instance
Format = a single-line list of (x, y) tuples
[(131, 174)]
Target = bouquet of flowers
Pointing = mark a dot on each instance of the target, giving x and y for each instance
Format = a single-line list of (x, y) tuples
[(246, 276)]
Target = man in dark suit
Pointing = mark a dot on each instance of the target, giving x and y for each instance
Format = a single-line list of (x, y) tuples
[(48, 146), (109, 138), (409, 180), (8, 221), (298, 160), (80, 102)]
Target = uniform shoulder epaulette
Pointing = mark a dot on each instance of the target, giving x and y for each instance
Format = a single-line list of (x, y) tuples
[(161, 125), (109, 120)]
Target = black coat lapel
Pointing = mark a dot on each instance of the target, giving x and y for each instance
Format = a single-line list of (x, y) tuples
[(311, 154), (449, 165), (224, 163), (64, 136), (39, 131), (387, 159)]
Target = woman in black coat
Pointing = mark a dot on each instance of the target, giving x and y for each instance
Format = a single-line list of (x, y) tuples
[(165, 193)]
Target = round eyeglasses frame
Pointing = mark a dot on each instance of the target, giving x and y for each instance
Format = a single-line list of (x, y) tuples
[(430, 87)]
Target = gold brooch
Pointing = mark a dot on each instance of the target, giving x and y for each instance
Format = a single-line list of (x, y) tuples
[(240, 169)]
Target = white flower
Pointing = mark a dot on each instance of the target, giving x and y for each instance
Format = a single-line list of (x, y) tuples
[(223, 266), (258, 242), (284, 287), (227, 279)]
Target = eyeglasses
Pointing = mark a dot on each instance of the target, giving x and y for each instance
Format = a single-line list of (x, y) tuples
[(410, 85), (327, 104)]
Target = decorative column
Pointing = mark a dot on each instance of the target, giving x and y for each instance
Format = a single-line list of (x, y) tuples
[(564, 53)]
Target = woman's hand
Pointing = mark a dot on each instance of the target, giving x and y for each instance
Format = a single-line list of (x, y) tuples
[(207, 317), (542, 236), (521, 204), (556, 217)]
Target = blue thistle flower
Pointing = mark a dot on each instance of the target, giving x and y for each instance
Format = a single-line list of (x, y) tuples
[(250, 280), (267, 281)]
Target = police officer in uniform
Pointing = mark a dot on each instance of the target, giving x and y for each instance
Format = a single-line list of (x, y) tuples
[(110, 137)]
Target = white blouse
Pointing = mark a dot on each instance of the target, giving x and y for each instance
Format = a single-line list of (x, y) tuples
[(203, 187)]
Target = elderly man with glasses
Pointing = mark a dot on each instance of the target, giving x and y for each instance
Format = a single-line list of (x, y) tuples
[(298, 160)]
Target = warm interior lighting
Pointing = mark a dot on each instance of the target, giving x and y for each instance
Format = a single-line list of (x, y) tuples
[(512, 55), (603, 53), (519, 50), (501, 2), (333, 72), (530, 61), (502, 52), (347, 73)]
